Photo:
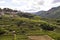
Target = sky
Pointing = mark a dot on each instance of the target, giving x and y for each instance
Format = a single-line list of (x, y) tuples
[(29, 5)]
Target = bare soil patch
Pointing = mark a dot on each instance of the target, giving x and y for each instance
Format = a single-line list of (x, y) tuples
[(44, 37)]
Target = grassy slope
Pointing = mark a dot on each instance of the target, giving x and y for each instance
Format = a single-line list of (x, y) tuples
[(24, 27)]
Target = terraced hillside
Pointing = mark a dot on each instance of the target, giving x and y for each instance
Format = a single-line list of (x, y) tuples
[(20, 26)]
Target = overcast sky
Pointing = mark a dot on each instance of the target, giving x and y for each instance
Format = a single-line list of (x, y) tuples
[(29, 5)]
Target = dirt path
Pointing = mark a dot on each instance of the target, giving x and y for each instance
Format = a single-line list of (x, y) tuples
[(45, 37)]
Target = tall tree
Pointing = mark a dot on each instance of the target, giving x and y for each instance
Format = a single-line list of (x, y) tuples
[(0, 9), (7, 10)]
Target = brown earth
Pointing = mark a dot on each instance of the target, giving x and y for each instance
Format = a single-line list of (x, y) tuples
[(45, 37)]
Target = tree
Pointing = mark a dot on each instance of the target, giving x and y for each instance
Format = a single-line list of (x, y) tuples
[(7, 10), (0, 9), (15, 10), (58, 21), (47, 27), (2, 31)]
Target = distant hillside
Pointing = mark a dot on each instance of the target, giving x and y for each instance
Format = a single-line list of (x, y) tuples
[(12, 12), (52, 13)]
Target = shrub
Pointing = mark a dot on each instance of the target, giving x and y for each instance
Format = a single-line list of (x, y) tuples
[(2, 32), (47, 27)]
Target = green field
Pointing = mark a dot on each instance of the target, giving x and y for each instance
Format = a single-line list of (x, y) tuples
[(25, 27)]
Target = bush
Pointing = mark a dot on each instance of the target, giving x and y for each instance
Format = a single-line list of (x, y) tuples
[(58, 21), (2, 32), (0, 17), (47, 27)]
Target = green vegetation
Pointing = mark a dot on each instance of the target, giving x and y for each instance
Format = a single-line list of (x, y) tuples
[(22, 25), (53, 13)]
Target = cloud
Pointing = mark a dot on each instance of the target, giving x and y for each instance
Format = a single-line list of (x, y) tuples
[(2, 1), (30, 5), (34, 5), (55, 1), (27, 4)]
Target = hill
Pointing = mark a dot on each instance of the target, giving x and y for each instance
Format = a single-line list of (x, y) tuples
[(21, 25), (52, 13)]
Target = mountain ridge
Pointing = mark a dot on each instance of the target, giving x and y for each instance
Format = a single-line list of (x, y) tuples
[(52, 13)]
